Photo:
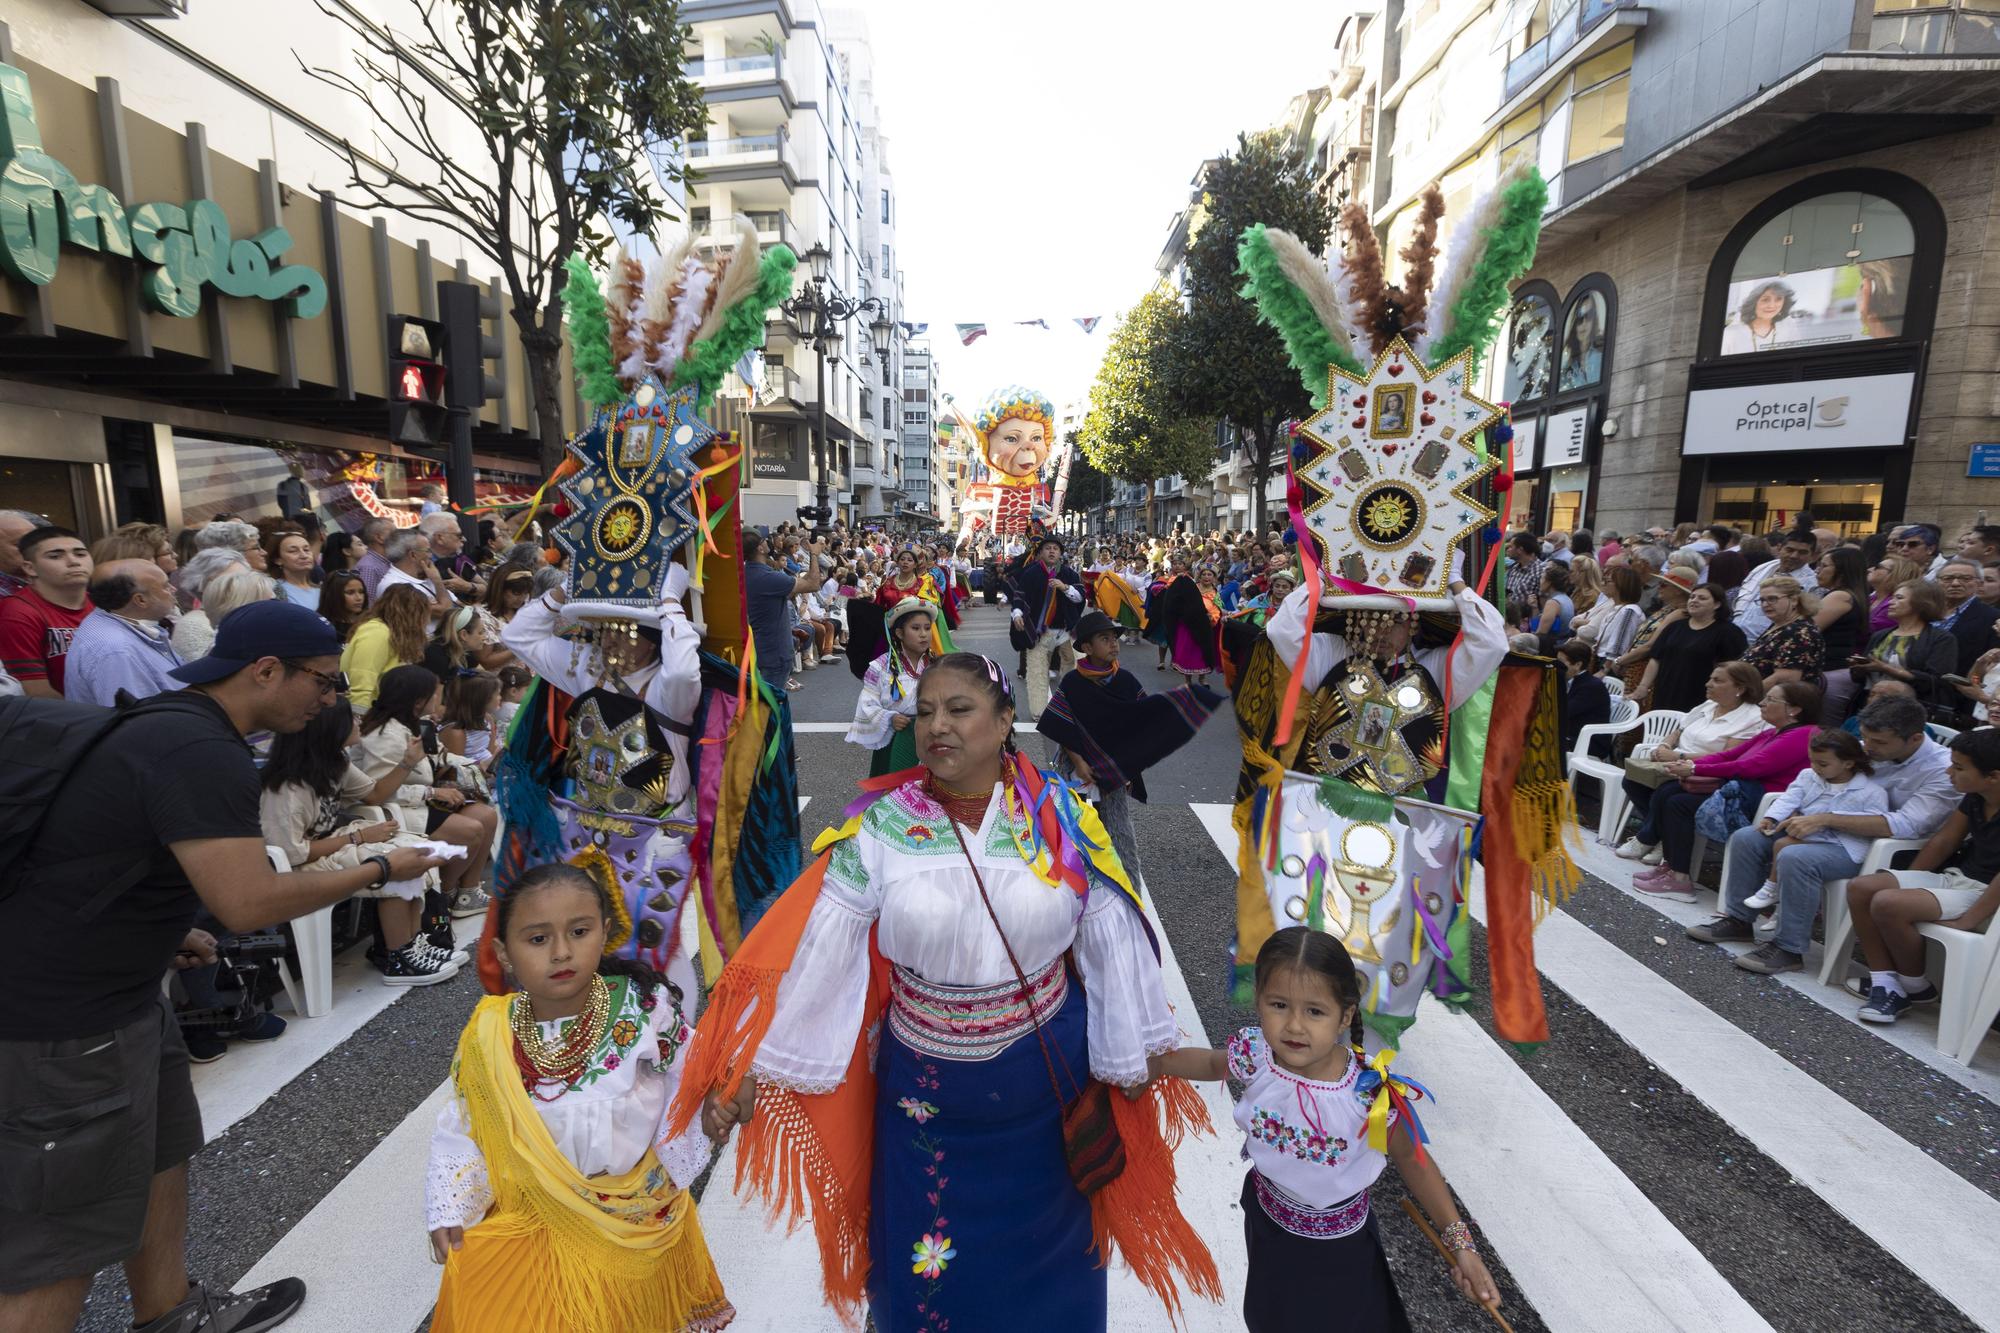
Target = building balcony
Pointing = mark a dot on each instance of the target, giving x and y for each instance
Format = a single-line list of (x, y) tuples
[(1936, 33), (1584, 24), (774, 227), (745, 157), (743, 78)]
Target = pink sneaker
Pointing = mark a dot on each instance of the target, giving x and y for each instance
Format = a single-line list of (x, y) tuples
[(1667, 887), (1651, 874)]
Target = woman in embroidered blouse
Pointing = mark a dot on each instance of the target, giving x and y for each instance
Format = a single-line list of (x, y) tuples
[(887, 708), (1792, 648), (1767, 761), (948, 905), (1729, 716)]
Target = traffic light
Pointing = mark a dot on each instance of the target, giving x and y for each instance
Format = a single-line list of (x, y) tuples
[(418, 417), (463, 309)]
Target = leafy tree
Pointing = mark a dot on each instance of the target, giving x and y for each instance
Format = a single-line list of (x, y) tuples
[(572, 106), (1224, 361), (1133, 429)]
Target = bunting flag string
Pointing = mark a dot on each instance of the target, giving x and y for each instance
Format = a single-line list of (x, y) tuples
[(969, 334)]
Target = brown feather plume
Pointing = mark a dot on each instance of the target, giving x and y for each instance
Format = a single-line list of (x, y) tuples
[(1368, 288), (1420, 259)]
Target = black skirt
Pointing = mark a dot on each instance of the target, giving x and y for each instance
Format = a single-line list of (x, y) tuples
[(1301, 1285)]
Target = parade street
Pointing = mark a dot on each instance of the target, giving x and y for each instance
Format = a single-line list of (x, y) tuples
[(1694, 1148)]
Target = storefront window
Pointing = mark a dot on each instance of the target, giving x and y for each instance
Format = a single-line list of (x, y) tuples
[(1851, 510), (1530, 358), (43, 487), (1832, 269), (1583, 342)]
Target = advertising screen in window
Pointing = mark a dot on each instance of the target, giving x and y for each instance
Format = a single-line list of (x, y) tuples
[(1833, 269)]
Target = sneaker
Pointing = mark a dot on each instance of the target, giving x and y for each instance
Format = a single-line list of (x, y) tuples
[(1769, 960), (1666, 887), (204, 1048), (1883, 1005), (437, 954), (1720, 930), (1632, 849), (1765, 927), (470, 901), (1654, 857), (1766, 896), (247, 1312), (412, 966), (264, 1027)]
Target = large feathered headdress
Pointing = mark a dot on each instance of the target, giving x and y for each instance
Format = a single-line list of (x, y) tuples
[(650, 348)]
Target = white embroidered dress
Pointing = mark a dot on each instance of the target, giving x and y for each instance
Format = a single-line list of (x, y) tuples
[(1307, 1136), (903, 874), (878, 707), (603, 1124)]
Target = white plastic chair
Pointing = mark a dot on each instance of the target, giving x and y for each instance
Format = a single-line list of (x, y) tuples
[(312, 936), (1615, 686), (1833, 905), (1654, 728), (1981, 979), (1943, 735)]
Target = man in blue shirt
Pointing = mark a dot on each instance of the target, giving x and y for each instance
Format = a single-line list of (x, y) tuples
[(122, 645), (768, 589)]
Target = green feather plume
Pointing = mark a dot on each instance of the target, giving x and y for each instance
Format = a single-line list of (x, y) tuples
[(742, 326), (1508, 252), (1284, 307), (589, 334)]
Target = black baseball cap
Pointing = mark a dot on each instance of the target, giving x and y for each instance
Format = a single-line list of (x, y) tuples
[(259, 630)]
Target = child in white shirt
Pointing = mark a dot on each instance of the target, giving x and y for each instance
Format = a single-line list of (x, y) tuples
[(1837, 783)]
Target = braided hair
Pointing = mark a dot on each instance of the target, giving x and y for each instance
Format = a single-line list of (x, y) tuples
[(1316, 953)]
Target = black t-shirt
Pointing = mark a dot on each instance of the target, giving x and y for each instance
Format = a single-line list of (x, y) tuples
[(1687, 657), (166, 777), (767, 595), (1978, 857)]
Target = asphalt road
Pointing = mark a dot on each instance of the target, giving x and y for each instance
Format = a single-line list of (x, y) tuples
[(1694, 1147)]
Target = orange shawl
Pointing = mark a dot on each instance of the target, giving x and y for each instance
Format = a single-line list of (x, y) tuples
[(805, 1150)]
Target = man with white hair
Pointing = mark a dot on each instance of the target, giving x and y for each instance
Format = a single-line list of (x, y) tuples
[(14, 525), (453, 568), (410, 562)]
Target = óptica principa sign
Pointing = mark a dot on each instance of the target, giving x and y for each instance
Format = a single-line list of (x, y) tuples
[(43, 207)]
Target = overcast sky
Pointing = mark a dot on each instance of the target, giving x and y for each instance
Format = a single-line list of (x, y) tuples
[(1041, 148)]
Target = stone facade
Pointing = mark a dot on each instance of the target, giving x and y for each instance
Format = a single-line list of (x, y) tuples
[(1659, 258)]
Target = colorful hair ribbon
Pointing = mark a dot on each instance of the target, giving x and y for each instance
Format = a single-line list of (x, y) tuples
[(1391, 1092)]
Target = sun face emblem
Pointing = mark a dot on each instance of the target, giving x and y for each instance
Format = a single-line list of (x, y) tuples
[(1388, 515), (622, 528)]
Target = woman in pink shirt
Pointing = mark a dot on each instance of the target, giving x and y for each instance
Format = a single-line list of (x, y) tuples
[(1766, 762)]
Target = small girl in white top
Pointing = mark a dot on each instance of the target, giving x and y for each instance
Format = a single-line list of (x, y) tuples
[(1838, 783), (1321, 1123)]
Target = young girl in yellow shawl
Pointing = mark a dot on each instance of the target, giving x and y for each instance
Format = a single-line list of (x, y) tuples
[(555, 1199)]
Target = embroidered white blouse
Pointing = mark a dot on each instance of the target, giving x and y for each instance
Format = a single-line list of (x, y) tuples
[(1306, 1136), (873, 726), (904, 875), (1479, 652), (603, 1125)]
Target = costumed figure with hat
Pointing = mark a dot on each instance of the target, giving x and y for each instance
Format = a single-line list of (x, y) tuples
[(888, 702), (637, 756), (1016, 430), (923, 1042), (1383, 714), (1048, 599), (1109, 731)]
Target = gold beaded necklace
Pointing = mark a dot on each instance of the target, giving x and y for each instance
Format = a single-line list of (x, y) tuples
[(562, 1061)]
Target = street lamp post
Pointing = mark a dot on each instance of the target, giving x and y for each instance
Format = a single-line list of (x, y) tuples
[(819, 310)]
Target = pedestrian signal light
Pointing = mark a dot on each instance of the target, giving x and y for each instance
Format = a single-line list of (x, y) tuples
[(415, 382)]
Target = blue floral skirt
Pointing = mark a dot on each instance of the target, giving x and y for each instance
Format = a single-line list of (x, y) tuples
[(974, 1223)]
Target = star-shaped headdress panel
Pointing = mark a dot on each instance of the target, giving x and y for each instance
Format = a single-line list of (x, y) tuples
[(1386, 472), (629, 502)]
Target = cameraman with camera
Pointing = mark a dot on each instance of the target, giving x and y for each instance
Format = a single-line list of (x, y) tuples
[(142, 822)]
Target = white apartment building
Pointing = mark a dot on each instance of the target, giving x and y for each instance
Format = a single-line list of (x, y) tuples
[(922, 483), (878, 455), (784, 147), (115, 409)]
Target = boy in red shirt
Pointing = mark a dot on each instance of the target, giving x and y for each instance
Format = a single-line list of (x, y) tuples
[(36, 624)]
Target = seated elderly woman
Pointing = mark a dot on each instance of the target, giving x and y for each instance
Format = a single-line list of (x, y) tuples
[(194, 633), (230, 535), (1729, 716), (1768, 761)]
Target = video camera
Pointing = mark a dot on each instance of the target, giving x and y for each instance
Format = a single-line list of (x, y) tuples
[(246, 974)]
